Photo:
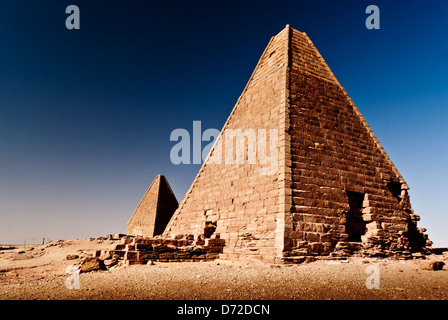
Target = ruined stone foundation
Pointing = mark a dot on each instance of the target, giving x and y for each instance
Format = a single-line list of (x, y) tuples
[(138, 250)]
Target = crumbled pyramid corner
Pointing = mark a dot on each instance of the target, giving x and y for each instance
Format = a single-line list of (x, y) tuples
[(154, 210), (336, 192)]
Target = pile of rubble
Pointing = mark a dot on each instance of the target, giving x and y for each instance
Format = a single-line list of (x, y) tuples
[(345, 249)]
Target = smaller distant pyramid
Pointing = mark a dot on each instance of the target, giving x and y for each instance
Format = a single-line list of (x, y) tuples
[(154, 210)]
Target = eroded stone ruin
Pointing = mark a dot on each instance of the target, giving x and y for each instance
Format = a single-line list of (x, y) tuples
[(335, 193)]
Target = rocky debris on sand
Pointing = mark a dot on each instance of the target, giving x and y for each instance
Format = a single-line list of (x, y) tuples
[(119, 265), (439, 250), (418, 255), (92, 264), (8, 248), (72, 257), (56, 243), (89, 253), (21, 256), (97, 238), (116, 236), (110, 262), (431, 265)]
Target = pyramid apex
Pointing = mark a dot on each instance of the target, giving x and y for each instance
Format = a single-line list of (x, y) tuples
[(160, 177), (154, 210), (289, 28)]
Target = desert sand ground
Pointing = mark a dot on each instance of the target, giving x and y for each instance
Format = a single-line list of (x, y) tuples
[(39, 272)]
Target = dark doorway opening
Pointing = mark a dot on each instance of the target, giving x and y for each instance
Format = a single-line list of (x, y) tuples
[(209, 229), (395, 189), (355, 226)]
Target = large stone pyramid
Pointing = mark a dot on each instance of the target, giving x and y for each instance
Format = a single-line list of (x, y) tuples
[(335, 191), (154, 210)]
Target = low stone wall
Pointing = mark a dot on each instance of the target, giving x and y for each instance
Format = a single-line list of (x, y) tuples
[(137, 250)]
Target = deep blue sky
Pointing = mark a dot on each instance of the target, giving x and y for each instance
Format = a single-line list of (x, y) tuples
[(86, 115)]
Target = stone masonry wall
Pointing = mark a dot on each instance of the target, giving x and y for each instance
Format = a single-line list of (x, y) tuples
[(236, 199), (334, 156), (138, 250)]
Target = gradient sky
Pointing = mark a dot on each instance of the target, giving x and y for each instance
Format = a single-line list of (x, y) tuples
[(86, 115)]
